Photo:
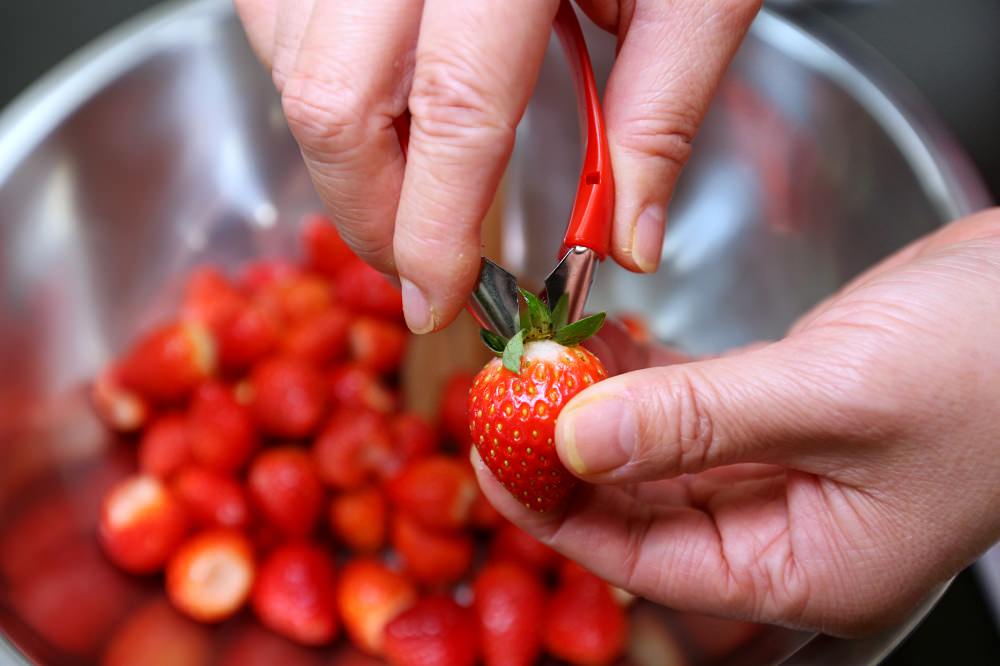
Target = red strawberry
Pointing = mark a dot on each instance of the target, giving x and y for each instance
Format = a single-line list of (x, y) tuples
[(210, 576), (350, 446), (157, 635), (377, 344), (319, 339), (510, 607), (512, 544), (222, 430), (369, 595), (289, 397), (453, 413), (437, 491), (212, 499), (353, 385), (515, 401), (170, 361), (583, 622), (210, 298), (432, 557), (412, 438), (434, 632), (141, 524), (71, 596), (326, 251), (258, 275), (636, 327), (295, 594), (250, 334), (119, 407), (253, 645), (297, 297), (358, 519), (284, 485), (360, 287), (165, 446)]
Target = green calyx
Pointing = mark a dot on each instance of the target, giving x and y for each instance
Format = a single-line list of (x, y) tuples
[(542, 324)]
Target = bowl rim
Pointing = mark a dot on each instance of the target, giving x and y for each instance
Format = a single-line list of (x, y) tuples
[(939, 164)]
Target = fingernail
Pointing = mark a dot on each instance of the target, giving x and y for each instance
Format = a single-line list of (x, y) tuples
[(596, 436), (416, 309), (647, 238)]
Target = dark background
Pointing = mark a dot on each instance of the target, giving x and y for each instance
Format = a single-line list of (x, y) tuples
[(949, 50)]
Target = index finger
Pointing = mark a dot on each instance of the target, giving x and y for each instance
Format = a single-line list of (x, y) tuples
[(476, 64)]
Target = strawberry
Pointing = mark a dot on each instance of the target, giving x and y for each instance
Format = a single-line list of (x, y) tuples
[(353, 385), (289, 397), (157, 635), (583, 622), (295, 594), (221, 430), (432, 557), (636, 327), (358, 519), (512, 544), (118, 406), (377, 344), (253, 645), (165, 446), (212, 499), (326, 252), (141, 524), (246, 337), (284, 485), (510, 607), (210, 298), (349, 447), (437, 491), (453, 413), (319, 339), (210, 576), (369, 595), (258, 275), (412, 438), (71, 597), (516, 399), (434, 632), (361, 288), (297, 297), (169, 362), (482, 514)]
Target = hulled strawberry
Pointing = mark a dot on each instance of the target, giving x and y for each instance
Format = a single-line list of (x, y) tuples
[(516, 398)]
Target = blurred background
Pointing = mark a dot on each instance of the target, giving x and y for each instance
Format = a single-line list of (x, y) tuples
[(948, 51)]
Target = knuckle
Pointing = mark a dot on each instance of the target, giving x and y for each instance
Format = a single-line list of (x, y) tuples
[(681, 419), (664, 135), (323, 116), (450, 105)]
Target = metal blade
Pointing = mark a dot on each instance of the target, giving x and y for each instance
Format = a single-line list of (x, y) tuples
[(495, 300), (573, 275)]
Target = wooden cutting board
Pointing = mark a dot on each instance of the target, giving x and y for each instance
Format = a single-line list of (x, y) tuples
[(433, 358)]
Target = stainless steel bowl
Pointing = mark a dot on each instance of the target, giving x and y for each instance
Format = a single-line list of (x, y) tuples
[(163, 145)]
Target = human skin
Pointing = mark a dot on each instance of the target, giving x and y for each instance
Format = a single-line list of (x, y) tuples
[(466, 70), (829, 480)]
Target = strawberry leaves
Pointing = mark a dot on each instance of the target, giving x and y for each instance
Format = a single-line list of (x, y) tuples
[(542, 324)]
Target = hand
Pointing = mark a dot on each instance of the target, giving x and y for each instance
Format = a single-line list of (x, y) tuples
[(466, 71), (827, 481)]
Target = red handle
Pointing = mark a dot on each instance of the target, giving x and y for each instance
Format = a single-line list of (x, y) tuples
[(590, 221)]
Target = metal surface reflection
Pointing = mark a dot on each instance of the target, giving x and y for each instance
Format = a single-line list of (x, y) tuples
[(164, 146)]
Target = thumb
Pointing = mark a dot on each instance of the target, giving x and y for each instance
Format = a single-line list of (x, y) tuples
[(776, 404), (672, 57)]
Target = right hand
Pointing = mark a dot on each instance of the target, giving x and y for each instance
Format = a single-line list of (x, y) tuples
[(466, 70)]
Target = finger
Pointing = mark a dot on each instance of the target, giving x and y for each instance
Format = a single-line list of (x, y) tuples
[(672, 57), (340, 99), (259, 18), (471, 84), (289, 30), (670, 552), (779, 404)]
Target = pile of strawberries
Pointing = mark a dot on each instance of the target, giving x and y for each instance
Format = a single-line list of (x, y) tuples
[(278, 472)]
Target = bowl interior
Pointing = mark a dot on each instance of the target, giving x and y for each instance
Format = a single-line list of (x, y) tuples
[(168, 148)]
